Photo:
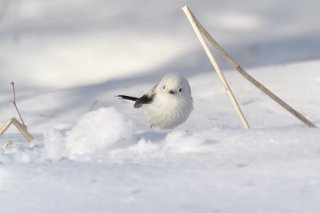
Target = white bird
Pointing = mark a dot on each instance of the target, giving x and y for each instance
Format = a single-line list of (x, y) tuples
[(168, 104)]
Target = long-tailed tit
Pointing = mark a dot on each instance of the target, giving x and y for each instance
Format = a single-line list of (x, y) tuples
[(168, 104)]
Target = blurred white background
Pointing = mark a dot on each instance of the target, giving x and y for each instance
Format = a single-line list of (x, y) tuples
[(62, 44)]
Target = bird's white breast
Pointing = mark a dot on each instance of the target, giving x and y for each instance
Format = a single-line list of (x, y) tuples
[(167, 111)]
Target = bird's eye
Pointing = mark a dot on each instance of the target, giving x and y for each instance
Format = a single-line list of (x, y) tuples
[(180, 89)]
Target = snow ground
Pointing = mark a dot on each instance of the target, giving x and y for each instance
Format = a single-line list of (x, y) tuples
[(108, 160)]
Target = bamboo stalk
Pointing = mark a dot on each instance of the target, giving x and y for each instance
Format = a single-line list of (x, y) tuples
[(216, 68), (247, 76)]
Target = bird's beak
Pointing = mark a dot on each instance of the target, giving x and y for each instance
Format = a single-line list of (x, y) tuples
[(172, 92)]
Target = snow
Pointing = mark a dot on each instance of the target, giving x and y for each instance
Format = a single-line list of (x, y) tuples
[(97, 131), (54, 145), (109, 160), (65, 56)]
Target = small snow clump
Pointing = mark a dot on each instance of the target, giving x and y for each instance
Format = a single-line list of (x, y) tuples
[(98, 131)]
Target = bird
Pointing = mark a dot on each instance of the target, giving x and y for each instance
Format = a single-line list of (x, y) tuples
[(168, 104)]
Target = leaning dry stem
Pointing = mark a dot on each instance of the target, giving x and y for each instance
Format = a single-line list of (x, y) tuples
[(23, 130), (5, 127), (20, 126), (15, 104), (235, 65), (216, 68)]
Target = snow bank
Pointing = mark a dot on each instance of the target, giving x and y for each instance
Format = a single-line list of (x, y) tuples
[(98, 131), (54, 145), (162, 144), (106, 135)]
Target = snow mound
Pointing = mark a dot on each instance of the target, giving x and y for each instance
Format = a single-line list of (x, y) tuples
[(181, 142), (162, 144), (54, 146), (98, 131)]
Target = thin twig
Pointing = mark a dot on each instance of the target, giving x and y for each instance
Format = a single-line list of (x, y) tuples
[(15, 104), (92, 105), (7, 144)]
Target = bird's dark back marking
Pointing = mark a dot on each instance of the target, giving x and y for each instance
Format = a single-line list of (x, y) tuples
[(145, 99)]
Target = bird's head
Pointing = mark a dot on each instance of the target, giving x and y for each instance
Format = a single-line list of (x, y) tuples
[(174, 84)]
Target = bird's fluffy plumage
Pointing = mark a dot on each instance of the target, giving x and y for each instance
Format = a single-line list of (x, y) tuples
[(168, 104)]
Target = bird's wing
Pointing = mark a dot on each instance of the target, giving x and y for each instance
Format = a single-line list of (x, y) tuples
[(145, 99)]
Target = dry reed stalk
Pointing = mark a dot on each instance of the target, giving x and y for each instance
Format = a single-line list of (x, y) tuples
[(235, 65), (23, 130), (216, 68), (20, 126)]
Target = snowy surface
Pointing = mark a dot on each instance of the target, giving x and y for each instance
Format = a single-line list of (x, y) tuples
[(63, 57)]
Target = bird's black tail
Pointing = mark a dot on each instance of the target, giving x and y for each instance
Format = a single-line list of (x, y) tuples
[(127, 97)]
